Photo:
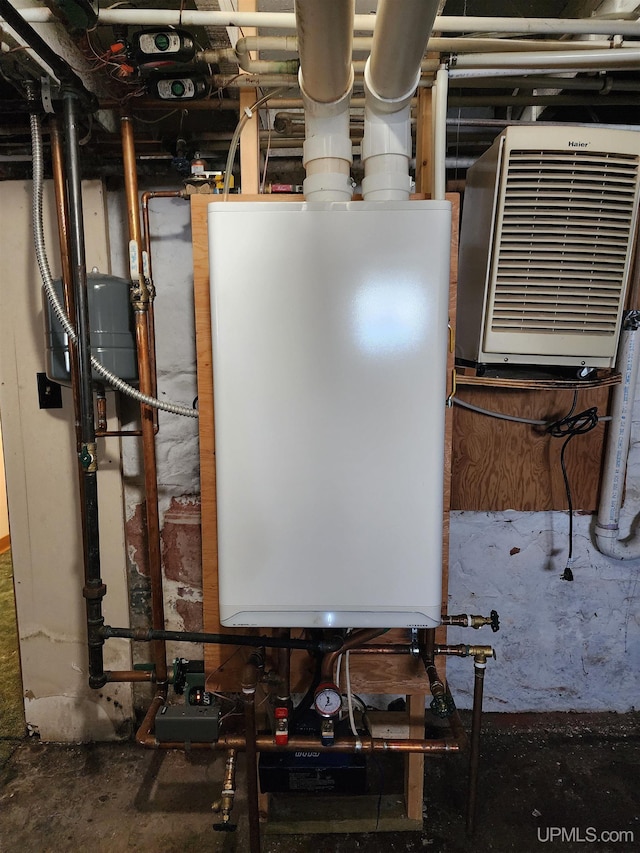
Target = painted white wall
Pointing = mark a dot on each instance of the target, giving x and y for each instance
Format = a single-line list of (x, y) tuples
[(4, 510), (42, 483), (177, 440), (562, 645)]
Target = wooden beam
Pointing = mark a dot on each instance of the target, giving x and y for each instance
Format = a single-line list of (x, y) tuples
[(424, 143), (250, 136)]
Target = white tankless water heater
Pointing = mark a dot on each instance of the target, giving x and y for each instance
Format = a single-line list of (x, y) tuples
[(330, 335)]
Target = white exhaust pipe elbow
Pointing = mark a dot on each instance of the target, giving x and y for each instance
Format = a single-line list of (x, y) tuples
[(386, 145), (327, 153)]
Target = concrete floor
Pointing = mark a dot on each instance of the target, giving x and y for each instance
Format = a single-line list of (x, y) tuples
[(576, 773)]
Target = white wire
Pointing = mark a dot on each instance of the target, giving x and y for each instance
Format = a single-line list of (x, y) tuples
[(47, 283), (352, 722)]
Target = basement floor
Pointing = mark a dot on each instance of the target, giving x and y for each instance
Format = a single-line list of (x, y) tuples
[(567, 782)]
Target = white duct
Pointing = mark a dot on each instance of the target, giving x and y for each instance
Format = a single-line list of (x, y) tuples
[(325, 37), (391, 77), (607, 531)]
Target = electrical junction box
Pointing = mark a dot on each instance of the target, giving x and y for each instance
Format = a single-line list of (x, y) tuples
[(312, 771), (188, 723)]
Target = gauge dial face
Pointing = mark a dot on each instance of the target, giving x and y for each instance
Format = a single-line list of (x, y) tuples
[(327, 700)]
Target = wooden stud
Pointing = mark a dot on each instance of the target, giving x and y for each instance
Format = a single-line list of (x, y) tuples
[(250, 136), (424, 142)]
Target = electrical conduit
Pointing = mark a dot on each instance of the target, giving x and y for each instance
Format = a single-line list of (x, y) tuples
[(391, 76), (325, 37)]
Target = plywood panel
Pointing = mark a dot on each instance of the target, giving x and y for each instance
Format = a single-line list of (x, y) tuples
[(499, 465)]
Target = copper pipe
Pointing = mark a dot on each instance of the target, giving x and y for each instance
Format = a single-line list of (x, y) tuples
[(476, 727), (146, 242), (118, 432), (266, 743), (146, 412), (101, 407), (251, 766), (382, 649), (358, 638), (129, 675), (143, 735)]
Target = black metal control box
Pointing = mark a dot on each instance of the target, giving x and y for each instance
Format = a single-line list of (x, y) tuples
[(313, 771), (188, 723)]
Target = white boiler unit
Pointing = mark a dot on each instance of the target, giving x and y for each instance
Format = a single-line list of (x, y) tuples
[(329, 359)]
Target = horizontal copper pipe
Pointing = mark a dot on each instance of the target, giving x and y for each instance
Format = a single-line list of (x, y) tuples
[(132, 675), (266, 743), (381, 649)]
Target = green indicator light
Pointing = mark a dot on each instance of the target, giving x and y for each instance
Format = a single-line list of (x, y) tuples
[(177, 88), (162, 41)]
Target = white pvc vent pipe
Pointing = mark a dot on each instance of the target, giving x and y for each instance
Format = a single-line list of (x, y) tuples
[(325, 39), (391, 76), (607, 530)]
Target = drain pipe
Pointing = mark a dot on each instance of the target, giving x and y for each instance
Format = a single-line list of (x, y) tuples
[(607, 529), (391, 76), (325, 37)]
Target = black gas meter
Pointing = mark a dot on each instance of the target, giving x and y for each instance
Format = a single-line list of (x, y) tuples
[(161, 45)]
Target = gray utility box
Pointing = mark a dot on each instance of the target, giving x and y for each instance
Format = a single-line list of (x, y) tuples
[(188, 723)]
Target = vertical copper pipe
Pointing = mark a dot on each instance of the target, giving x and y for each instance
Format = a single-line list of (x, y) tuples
[(251, 757), (474, 755), (146, 387), (146, 243)]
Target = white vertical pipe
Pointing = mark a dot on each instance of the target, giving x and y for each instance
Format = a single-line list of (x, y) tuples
[(325, 44), (391, 76), (607, 529), (440, 134)]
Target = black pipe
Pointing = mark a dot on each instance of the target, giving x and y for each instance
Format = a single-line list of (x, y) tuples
[(149, 635), (94, 589), (63, 71)]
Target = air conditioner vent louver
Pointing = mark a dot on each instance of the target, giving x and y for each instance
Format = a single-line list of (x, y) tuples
[(546, 246), (561, 256)]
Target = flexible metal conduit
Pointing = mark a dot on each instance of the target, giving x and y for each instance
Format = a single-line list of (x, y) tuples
[(47, 282)]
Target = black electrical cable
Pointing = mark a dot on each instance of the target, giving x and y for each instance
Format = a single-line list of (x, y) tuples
[(568, 428)]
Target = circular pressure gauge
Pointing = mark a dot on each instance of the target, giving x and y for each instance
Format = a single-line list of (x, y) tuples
[(327, 700)]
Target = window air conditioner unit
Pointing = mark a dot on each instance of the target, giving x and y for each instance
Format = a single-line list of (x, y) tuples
[(546, 247)]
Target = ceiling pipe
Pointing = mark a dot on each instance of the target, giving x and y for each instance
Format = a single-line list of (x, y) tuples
[(391, 76), (362, 23), (325, 36), (587, 60)]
